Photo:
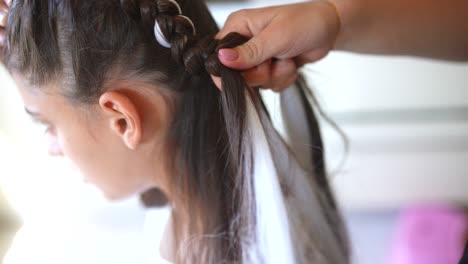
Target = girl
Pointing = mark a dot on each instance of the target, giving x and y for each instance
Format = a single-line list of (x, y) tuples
[(125, 90)]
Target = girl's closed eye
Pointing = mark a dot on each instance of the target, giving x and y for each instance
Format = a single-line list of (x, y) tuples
[(49, 131), (46, 128)]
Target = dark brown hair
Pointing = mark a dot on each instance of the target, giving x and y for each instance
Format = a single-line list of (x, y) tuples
[(84, 44)]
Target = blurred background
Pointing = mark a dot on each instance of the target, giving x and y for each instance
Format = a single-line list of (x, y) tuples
[(402, 183)]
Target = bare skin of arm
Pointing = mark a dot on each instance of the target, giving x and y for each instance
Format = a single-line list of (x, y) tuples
[(424, 28), (301, 33)]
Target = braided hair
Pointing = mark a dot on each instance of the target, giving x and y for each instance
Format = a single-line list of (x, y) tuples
[(216, 207)]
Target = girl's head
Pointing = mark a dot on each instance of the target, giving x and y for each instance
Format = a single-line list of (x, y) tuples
[(114, 100), (134, 115)]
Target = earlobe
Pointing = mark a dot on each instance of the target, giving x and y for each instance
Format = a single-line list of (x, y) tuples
[(123, 117)]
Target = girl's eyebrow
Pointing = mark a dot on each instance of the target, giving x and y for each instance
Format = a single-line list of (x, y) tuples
[(31, 113)]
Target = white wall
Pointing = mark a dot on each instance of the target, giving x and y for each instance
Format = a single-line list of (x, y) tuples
[(407, 122)]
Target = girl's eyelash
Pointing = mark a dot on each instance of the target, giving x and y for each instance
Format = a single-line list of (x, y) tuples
[(48, 129), (45, 127)]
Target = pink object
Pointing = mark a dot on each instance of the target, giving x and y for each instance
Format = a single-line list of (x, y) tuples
[(430, 235)]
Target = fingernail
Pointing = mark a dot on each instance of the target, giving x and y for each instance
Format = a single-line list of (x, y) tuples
[(229, 54)]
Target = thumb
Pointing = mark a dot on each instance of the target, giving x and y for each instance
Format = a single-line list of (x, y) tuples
[(246, 56)]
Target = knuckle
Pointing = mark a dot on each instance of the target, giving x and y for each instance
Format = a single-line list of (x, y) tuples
[(278, 87), (236, 16), (252, 50), (284, 79), (237, 22), (269, 83), (243, 13), (289, 82)]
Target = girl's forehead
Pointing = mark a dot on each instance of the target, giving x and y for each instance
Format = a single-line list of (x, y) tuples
[(44, 101), (35, 95)]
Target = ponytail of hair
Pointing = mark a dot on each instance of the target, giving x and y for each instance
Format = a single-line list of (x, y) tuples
[(240, 194)]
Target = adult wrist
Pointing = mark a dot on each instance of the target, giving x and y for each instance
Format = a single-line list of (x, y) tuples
[(348, 14)]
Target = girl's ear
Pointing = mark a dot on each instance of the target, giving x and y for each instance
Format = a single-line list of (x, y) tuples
[(123, 117)]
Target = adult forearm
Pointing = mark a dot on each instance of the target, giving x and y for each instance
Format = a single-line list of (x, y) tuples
[(427, 28)]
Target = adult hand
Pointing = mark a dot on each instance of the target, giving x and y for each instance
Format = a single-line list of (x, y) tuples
[(4, 4), (283, 38)]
